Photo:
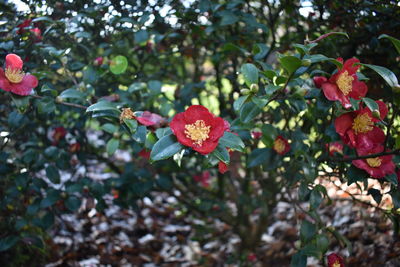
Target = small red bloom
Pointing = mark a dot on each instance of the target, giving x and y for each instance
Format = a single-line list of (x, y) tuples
[(222, 167), (334, 260), (377, 167), (144, 154), (75, 147), (335, 147), (281, 145), (98, 61), (345, 84), (57, 134), (256, 134), (13, 79), (198, 128), (23, 25), (357, 128), (252, 257), (150, 119), (203, 178), (37, 33)]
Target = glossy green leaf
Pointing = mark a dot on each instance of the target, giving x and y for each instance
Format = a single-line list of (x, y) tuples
[(396, 42), (250, 73), (290, 63), (385, 73), (232, 141), (164, 148), (221, 153), (102, 105), (53, 174), (112, 146), (71, 93)]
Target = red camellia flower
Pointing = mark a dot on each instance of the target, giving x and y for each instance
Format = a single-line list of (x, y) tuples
[(334, 260), (222, 167), (23, 25), (252, 257), (203, 178), (198, 128), (98, 61), (13, 79), (357, 128), (343, 84), (334, 147), (281, 145), (37, 33), (377, 167)]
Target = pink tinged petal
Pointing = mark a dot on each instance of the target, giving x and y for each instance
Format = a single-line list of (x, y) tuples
[(30, 81), (343, 123), (359, 90), (319, 80), (14, 61), (383, 110), (222, 167), (332, 92), (350, 67)]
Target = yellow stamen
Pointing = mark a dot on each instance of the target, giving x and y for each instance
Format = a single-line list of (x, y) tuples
[(198, 132), (279, 145), (345, 82), (336, 264), (126, 113), (362, 123), (14, 75), (374, 162)]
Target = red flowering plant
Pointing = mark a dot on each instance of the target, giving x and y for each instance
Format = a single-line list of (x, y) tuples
[(358, 128), (13, 79), (196, 114), (334, 260), (344, 84)]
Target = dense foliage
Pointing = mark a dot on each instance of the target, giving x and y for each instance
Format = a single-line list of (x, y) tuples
[(230, 106)]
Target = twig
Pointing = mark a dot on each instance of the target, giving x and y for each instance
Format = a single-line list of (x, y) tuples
[(62, 102), (393, 152)]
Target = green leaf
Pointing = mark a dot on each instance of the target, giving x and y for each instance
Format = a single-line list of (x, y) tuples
[(376, 194), (112, 146), (72, 203), (298, 260), (250, 73), (136, 87), (109, 128), (248, 112), (141, 36), (221, 153), (237, 105), (164, 148), (307, 231), (118, 64), (102, 105), (371, 104), (8, 242), (154, 87), (132, 125), (232, 141), (72, 93), (51, 198), (396, 42), (290, 63), (385, 73), (258, 156), (53, 174), (161, 132), (315, 199), (392, 178), (228, 18), (354, 174)]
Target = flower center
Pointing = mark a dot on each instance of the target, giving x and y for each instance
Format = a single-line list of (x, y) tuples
[(279, 146), (374, 162), (126, 113), (362, 123), (198, 132), (345, 82), (14, 75), (336, 264)]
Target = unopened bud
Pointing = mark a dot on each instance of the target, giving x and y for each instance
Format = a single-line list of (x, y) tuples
[(376, 114), (58, 99), (306, 62), (254, 88), (245, 91)]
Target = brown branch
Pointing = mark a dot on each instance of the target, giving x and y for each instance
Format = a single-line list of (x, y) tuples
[(393, 152), (62, 103), (321, 37)]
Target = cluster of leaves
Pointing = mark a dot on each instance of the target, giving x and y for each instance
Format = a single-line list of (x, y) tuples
[(93, 59)]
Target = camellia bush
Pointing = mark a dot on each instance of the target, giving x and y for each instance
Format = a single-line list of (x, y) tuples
[(214, 105)]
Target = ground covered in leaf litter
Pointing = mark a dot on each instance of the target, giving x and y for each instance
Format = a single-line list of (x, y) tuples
[(159, 235)]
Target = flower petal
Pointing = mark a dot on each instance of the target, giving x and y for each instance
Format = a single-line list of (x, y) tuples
[(343, 123), (14, 61), (348, 65)]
